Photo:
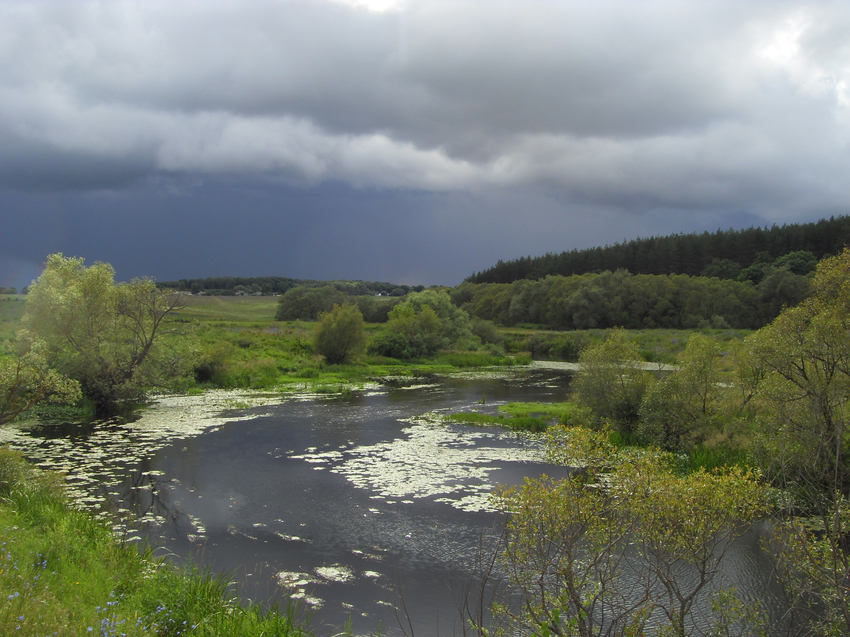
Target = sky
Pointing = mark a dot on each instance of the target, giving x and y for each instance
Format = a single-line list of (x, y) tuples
[(409, 141)]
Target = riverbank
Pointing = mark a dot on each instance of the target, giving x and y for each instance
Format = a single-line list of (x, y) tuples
[(63, 572)]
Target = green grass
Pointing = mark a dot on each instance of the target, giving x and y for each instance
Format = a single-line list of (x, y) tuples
[(533, 416), (63, 573), (229, 308), (11, 309)]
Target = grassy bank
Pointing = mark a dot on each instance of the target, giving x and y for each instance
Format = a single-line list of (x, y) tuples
[(241, 345), (63, 573)]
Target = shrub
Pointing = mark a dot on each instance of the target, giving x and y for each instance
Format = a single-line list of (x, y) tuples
[(340, 334)]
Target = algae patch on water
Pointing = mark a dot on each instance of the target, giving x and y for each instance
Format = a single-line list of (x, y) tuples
[(109, 452), (451, 464)]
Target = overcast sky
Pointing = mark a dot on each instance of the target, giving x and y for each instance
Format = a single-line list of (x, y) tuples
[(412, 141)]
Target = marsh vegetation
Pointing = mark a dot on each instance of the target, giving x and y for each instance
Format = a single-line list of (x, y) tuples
[(678, 464)]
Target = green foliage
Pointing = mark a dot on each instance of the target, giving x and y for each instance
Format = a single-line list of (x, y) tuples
[(683, 408), (800, 262), (106, 336), (65, 573), (568, 542), (486, 331), (266, 285), (616, 299), (340, 335), (417, 330), (27, 381), (722, 269), (534, 417), (454, 323), (11, 311), (801, 385), (682, 253), (610, 381), (781, 288), (307, 303), (426, 322), (813, 562), (796, 375)]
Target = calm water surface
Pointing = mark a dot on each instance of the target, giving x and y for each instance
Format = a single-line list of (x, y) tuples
[(368, 513), (365, 508)]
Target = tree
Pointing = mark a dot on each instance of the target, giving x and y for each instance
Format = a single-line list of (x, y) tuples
[(455, 326), (307, 303), (623, 542), (610, 380), (411, 332), (26, 380), (340, 334), (799, 371), (104, 335), (804, 389), (681, 409), (722, 269), (426, 322)]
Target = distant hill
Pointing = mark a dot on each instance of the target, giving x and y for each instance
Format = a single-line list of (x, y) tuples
[(230, 285), (687, 254)]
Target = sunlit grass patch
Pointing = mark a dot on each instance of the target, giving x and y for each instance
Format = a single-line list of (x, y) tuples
[(229, 308), (11, 309), (62, 572), (525, 416)]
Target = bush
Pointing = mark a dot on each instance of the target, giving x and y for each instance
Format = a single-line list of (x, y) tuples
[(340, 334), (394, 345)]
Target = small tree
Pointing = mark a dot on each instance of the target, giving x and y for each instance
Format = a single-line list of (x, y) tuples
[(107, 336), (340, 334), (623, 543), (26, 380), (307, 303), (610, 380), (680, 410), (413, 330)]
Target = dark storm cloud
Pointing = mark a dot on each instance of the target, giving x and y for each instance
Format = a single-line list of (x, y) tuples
[(529, 126), (689, 104)]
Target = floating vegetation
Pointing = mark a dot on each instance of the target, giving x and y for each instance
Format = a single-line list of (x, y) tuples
[(335, 573), (431, 460), (95, 463)]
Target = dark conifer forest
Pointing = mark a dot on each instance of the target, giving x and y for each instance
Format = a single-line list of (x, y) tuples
[(689, 254)]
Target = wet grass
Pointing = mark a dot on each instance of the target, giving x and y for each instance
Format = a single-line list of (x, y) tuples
[(525, 416), (63, 572)]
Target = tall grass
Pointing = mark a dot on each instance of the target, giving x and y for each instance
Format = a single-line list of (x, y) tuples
[(63, 573)]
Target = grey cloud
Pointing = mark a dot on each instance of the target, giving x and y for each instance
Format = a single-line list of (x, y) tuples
[(680, 105)]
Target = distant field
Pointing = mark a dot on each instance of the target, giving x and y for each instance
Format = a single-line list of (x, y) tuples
[(253, 309), (11, 308)]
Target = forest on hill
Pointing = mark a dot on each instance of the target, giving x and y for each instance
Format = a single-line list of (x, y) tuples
[(233, 285), (706, 254)]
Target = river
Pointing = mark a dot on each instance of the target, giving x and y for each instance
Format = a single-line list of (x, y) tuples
[(363, 508)]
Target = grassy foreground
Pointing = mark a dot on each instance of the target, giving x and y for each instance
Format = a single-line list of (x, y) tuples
[(63, 573)]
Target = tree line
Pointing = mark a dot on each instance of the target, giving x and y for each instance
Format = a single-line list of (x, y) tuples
[(634, 301), (231, 285), (687, 254)]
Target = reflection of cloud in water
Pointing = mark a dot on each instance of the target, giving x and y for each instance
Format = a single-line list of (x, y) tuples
[(451, 464), (96, 463)]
